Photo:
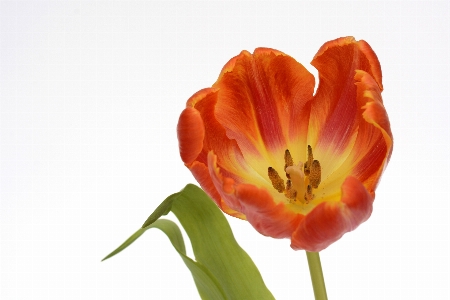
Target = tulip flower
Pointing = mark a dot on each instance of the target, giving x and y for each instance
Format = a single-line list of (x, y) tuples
[(293, 163)]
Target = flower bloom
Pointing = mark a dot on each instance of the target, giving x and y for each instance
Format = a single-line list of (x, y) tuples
[(293, 163)]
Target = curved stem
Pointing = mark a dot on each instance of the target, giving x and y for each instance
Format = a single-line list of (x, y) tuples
[(315, 269)]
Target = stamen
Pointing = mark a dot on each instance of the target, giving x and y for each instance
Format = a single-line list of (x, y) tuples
[(302, 178), (308, 194), (309, 162), (290, 193), (277, 181), (315, 174), (288, 161)]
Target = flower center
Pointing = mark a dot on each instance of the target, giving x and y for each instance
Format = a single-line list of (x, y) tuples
[(301, 178)]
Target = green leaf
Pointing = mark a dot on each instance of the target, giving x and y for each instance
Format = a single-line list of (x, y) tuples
[(172, 233), (216, 248), (207, 285), (222, 270)]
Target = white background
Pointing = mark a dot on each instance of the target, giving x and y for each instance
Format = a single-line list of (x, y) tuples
[(90, 94)]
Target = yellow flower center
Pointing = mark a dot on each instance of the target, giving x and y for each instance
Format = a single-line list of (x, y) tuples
[(301, 178)]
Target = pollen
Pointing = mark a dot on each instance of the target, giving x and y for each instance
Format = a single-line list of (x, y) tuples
[(309, 162), (290, 192), (288, 161), (302, 178), (308, 194), (277, 181), (315, 174)]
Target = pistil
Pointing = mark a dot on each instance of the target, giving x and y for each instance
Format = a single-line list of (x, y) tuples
[(297, 177)]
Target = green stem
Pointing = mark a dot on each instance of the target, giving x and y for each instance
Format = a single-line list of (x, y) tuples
[(315, 269)]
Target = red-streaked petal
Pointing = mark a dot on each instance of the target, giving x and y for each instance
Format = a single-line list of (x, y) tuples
[(373, 63), (262, 100), (191, 132), (374, 144), (369, 154), (214, 138), (334, 113), (228, 154), (229, 66), (227, 151), (329, 221), (201, 174), (372, 148), (375, 67)]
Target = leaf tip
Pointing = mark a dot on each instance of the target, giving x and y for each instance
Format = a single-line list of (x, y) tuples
[(163, 209), (106, 257)]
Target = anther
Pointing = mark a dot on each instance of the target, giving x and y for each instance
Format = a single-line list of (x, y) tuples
[(290, 192), (315, 174), (309, 162), (308, 194), (288, 161), (277, 181)]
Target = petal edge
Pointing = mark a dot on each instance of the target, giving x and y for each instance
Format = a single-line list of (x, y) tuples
[(328, 222), (191, 132)]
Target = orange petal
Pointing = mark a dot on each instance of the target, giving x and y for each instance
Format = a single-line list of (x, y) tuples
[(268, 218), (374, 142), (215, 139), (329, 221), (262, 100), (223, 184), (201, 107), (201, 174), (369, 153), (228, 159), (256, 204), (334, 113), (191, 132), (372, 64)]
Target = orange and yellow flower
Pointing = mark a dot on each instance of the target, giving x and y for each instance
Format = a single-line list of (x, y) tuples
[(293, 163)]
